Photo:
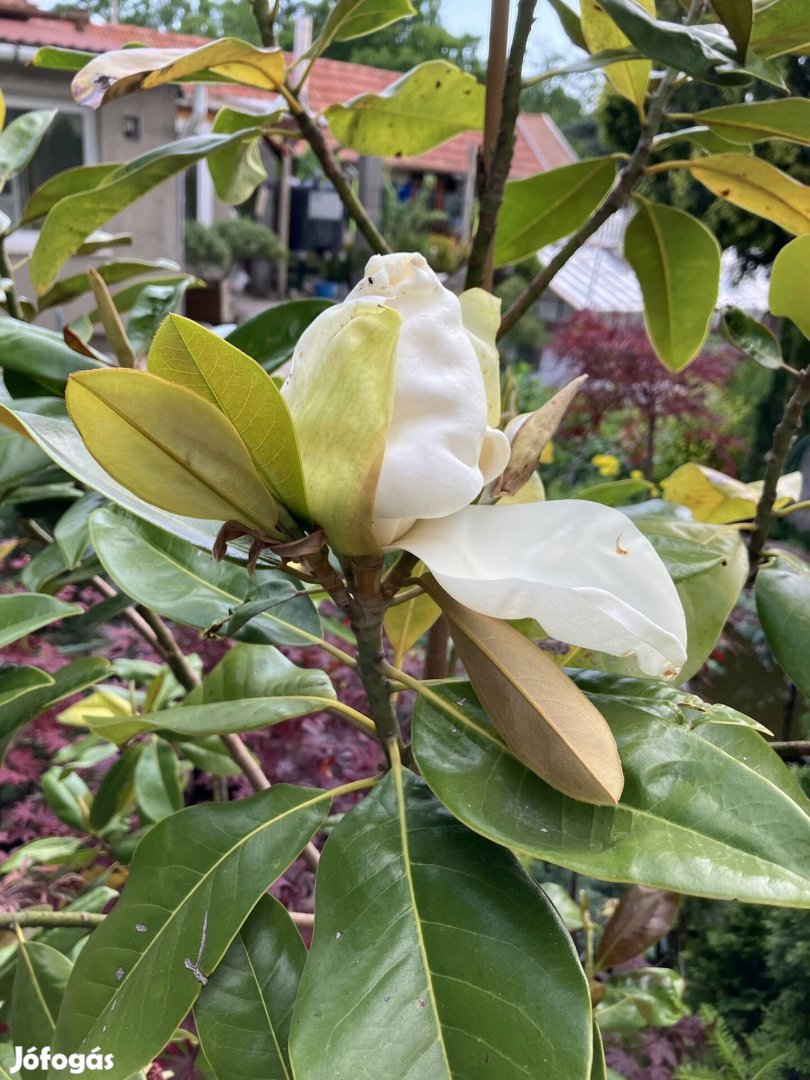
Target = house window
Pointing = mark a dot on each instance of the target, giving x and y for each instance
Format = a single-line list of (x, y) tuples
[(67, 142)]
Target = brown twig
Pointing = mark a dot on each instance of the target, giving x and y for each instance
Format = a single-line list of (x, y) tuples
[(796, 749)]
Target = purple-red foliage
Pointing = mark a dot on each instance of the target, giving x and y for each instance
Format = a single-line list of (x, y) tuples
[(659, 1051), (624, 373)]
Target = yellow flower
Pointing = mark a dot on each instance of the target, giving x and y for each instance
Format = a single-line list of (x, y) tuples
[(608, 465), (637, 474)]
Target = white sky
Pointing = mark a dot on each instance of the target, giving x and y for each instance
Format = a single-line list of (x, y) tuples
[(472, 17)]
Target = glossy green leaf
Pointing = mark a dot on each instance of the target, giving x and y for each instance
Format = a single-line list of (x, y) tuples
[(39, 354), (237, 170), (153, 303), (111, 273), (55, 59), (751, 338), (425, 107), (738, 17), (788, 291), (186, 585), (271, 336), (66, 681), (116, 792), (67, 182), (677, 262), (570, 22), (243, 1013), (64, 790), (23, 613), (614, 492), (142, 969), (209, 755), (47, 851), (349, 19), (132, 297), (698, 135), (72, 530), (781, 26), (757, 186), (40, 979), (782, 591), (628, 78), (783, 118), (19, 141), (74, 217), (169, 446), (683, 558), (706, 53), (17, 680), (432, 935), (647, 997), (123, 71), (568, 909), (157, 782), (191, 356), (543, 208), (20, 459), (710, 811)]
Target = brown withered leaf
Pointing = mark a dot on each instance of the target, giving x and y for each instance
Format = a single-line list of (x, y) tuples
[(643, 917), (532, 438), (544, 719)]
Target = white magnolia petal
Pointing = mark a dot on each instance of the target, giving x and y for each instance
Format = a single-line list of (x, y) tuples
[(582, 570), (481, 314), (431, 463)]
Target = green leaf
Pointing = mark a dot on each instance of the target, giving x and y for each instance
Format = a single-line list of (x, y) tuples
[(757, 186), (243, 1014), (74, 217), (349, 19), (188, 355), (153, 303), (780, 26), (23, 613), (123, 71), (157, 781), (209, 755), (710, 812), (62, 443), (66, 681), (782, 592), (738, 17), (543, 208), (237, 170), (684, 559), (788, 292), (440, 939), (677, 262), (568, 909), (647, 997), (68, 182), (785, 118), (629, 79), (751, 338), (142, 969), (16, 680), (704, 52), (133, 296), (698, 135), (570, 22), (614, 492), (54, 59), (19, 141), (47, 851), (169, 446), (111, 273), (67, 795), (116, 792), (186, 585), (72, 530), (40, 355), (425, 107), (271, 336), (40, 979)]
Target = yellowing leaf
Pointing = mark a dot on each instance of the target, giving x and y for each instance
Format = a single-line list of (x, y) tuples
[(677, 262), (342, 409), (405, 623), (719, 499), (545, 720), (790, 292), (97, 707), (427, 106), (755, 185), (532, 491), (2, 110), (191, 356), (114, 74), (168, 446), (630, 77), (783, 118)]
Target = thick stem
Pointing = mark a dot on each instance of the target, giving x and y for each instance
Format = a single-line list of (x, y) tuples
[(265, 20), (437, 649), (618, 197), (371, 658), (775, 463), (50, 919), (12, 301), (503, 106)]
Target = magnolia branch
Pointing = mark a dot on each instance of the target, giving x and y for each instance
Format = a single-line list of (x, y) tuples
[(775, 463), (616, 200), (88, 920)]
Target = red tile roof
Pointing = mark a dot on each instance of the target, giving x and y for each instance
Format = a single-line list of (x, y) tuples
[(539, 144)]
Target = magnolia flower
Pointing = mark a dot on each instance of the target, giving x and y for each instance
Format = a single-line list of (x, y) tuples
[(583, 571)]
